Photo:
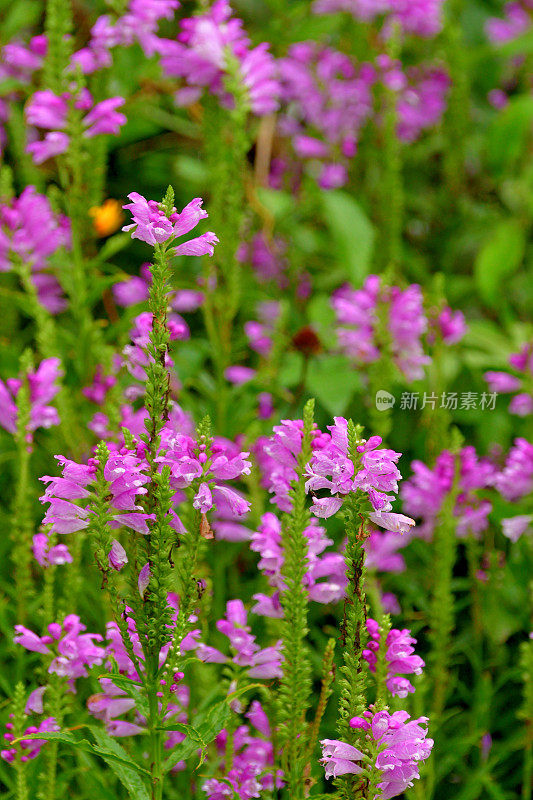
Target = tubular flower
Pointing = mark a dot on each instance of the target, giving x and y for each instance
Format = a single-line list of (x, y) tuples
[(417, 17), (400, 657), (34, 244), (507, 383), (260, 663), (30, 747), (211, 47), (402, 746), (267, 542), (358, 315), (72, 650), (424, 493), (49, 112), (330, 468), (43, 388), (138, 24), (126, 476), (252, 772), (151, 225), (327, 100)]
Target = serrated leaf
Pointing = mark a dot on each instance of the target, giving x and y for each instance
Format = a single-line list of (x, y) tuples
[(352, 231), (108, 746)]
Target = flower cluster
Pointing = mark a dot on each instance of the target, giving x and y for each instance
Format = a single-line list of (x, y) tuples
[(251, 773), (516, 21), (277, 457), (33, 244), (135, 290), (213, 46), (43, 388), (136, 354), (332, 468), (50, 112), (378, 319), (72, 650), (402, 745), (514, 482), (418, 17), (138, 24), (506, 383), (152, 225), (400, 657), (30, 747), (126, 477), (424, 493), (209, 468), (267, 542), (327, 103), (259, 663)]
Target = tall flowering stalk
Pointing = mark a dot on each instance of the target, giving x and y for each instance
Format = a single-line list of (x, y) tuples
[(295, 685)]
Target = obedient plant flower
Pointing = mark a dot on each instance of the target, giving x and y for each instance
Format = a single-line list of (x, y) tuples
[(137, 355), (43, 388), (402, 744), (260, 333), (49, 112), (47, 555), (418, 17), (138, 24), (267, 542), (126, 475), (421, 101), (21, 238), (359, 317), (30, 748), (212, 47), (277, 458), (424, 493), (515, 480), (515, 22), (331, 468), (135, 290), (399, 656), (72, 651), (327, 102), (506, 383), (267, 258), (259, 663), (251, 774), (190, 461), (340, 758), (19, 61), (152, 225)]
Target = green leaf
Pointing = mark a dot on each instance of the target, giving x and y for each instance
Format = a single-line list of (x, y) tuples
[(61, 736), (500, 256), (509, 133), (278, 203), (213, 719), (128, 778), (333, 381), (352, 231), (109, 749), (113, 245)]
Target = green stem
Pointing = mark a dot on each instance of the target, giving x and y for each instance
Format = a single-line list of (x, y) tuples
[(296, 681)]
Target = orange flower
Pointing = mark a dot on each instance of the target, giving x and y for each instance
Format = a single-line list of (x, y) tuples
[(107, 217)]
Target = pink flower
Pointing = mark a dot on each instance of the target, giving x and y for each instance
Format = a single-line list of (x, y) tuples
[(117, 556), (151, 225), (340, 758)]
